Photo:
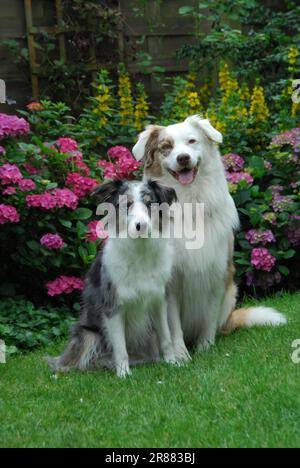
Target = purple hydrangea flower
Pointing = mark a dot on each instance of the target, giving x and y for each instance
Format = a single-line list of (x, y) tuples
[(233, 162), (291, 137), (255, 237)]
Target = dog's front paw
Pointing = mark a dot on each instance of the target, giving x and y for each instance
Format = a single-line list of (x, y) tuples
[(181, 352), (123, 370), (205, 344), (170, 358)]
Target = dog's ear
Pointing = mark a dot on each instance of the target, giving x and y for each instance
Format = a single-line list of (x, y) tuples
[(162, 193), (139, 148), (108, 191), (205, 125)]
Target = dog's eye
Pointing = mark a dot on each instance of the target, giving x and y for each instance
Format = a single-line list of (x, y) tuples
[(192, 141), (148, 203), (166, 147)]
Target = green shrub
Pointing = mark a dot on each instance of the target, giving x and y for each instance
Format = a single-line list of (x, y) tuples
[(24, 327)]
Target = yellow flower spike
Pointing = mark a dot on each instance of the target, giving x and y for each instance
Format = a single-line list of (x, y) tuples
[(244, 93), (258, 107), (293, 55), (224, 76), (193, 101), (141, 108), (103, 100), (126, 100), (295, 109), (191, 81), (227, 82)]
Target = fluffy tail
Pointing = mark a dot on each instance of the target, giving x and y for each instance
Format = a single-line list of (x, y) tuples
[(82, 352), (253, 316)]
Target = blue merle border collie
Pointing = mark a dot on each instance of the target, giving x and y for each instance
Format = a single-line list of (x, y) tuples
[(124, 314)]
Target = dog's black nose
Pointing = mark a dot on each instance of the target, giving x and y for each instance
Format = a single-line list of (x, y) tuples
[(183, 159)]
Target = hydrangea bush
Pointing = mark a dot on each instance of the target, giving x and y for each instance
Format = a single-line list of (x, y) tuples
[(268, 244), (50, 163), (48, 224)]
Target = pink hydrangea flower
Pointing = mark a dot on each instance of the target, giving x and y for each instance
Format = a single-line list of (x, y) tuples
[(9, 191), (65, 197), (262, 259), (64, 285), (2, 150), (57, 198), (44, 200), (236, 177), (255, 236), (119, 152), (12, 126), (67, 145), (124, 165), (10, 174), (8, 214), (96, 231), (110, 171), (30, 169), (81, 186), (52, 241), (77, 160), (233, 162), (26, 185)]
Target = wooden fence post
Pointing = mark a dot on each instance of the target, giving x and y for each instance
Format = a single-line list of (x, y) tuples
[(32, 51)]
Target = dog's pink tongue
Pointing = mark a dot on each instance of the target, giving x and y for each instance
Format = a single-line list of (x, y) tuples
[(186, 177)]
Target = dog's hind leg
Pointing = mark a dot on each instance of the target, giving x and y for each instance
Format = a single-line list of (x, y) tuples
[(82, 352)]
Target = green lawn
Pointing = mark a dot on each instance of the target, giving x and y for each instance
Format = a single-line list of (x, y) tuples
[(243, 392)]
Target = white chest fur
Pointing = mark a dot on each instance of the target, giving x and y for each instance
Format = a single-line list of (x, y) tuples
[(139, 268)]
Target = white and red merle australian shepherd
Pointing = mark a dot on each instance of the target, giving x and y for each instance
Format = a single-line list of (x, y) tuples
[(202, 296), (124, 316)]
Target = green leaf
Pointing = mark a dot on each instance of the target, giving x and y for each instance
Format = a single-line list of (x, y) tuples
[(51, 186), (82, 252), (83, 213), (186, 10), (65, 223), (242, 197), (241, 261), (81, 229), (284, 270), (245, 244), (289, 254), (33, 245)]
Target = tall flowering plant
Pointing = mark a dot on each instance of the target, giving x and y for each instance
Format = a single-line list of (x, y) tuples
[(268, 249), (116, 113), (49, 228)]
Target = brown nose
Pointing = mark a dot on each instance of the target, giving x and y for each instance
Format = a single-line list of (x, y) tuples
[(183, 159)]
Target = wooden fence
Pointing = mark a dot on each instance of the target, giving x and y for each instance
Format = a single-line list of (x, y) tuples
[(155, 30)]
